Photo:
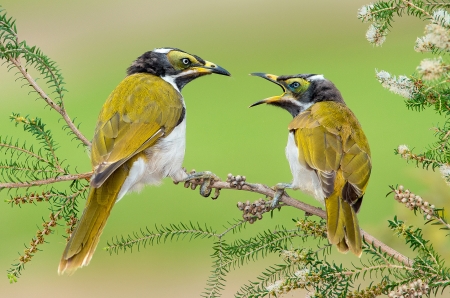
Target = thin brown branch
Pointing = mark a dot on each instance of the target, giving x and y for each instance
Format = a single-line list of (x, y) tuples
[(49, 101), (269, 192), (24, 151), (46, 181), (411, 4), (387, 266)]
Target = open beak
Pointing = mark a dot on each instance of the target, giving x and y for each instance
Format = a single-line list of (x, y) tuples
[(273, 79), (210, 68)]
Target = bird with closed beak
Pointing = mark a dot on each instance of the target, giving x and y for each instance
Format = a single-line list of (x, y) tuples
[(327, 150), (139, 139)]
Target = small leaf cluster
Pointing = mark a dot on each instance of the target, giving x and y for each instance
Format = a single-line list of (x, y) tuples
[(428, 264), (30, 166)]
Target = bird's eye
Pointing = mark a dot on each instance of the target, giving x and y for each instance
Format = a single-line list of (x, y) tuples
[(295, 85), (186, 61)]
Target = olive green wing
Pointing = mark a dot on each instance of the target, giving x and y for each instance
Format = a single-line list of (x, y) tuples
[(330, 139), (142, 109)]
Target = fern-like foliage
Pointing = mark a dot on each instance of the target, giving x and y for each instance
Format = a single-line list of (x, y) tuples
[(31, 167), (429, 86), (305, 267)]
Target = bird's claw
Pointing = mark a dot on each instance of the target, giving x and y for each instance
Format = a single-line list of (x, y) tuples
[(279, 189), (205, 180)]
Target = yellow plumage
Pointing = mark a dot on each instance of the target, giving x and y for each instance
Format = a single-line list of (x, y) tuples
[(142, 109), (331, 142)]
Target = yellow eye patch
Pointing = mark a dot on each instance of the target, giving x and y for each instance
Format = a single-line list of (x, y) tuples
[(297, 85), (181, 60)]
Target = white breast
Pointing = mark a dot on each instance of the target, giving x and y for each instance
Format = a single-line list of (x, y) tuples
[(164, 159), (303, 178)]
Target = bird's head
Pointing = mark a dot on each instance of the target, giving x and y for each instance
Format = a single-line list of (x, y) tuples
[(174, 65), (300, 91)]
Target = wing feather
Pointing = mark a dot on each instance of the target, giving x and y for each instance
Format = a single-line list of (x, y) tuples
[(329, 148), (142, 109)]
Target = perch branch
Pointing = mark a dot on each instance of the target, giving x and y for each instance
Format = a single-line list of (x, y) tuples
[(46, 181), (269, 192)]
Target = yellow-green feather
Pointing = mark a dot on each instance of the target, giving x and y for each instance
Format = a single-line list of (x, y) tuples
[(141, 106), (85, 237), (330, 140), (142, 109)]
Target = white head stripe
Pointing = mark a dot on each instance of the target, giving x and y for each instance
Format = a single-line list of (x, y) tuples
[(162, 50), (316, 78)]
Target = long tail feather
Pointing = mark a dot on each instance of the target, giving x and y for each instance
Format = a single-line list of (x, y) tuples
[(352, 230), (85, 237), (335, 222)]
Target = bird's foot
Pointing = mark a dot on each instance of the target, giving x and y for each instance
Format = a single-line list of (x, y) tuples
[(279, 189), (205, 179)]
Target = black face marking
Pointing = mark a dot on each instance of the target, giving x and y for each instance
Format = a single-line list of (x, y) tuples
[(152, 63), (322, 90), (292, 108), (302, 76)]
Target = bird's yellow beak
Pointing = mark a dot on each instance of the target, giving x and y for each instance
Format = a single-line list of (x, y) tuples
[(209, 68), (273, 79)]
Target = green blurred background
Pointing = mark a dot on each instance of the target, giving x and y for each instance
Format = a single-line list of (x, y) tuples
[(93, 43)]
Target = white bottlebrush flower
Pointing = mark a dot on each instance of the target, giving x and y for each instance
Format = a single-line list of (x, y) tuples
[(442, 17), (402, 85), (302, 274), (431, 69), (383, 75), (404, 151), (435, 35), (364, 13), (445, 172), (275, 287), (423, 44), (375, 35), (438, 36)]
